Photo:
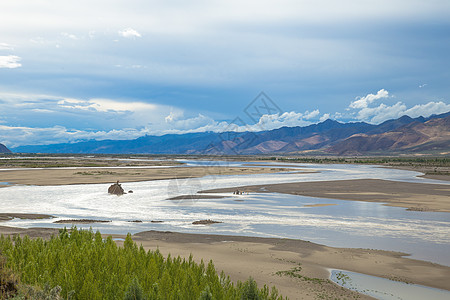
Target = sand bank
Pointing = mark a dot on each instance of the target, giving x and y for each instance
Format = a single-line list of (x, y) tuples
[(99, 175), (413, 196), (263, 258)]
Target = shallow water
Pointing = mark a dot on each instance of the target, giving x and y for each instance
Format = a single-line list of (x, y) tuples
[(385, 289), (426, 235)]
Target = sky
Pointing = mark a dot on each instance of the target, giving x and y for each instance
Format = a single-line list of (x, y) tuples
[(80, 70)]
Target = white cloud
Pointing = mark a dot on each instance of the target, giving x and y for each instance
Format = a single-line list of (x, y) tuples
[(4, 46), (106, 105), (200, 122), (129, 33), (311, 115), (428, 109), (288, 119), (28, 110), (338, 115), (173, 116), (18, 136), (324, 117), (382, 112), (365, 101), (10, 61)]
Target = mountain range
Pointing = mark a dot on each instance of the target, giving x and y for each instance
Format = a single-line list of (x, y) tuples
[(402, 135)]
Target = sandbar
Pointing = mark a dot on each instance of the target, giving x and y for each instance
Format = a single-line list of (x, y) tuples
[(61, 176), (413, 196), (80, 221)]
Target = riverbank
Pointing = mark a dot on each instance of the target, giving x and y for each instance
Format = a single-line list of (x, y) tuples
[(430, 172), (297, 268)]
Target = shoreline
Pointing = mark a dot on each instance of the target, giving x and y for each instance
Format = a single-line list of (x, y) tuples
[(242, 256), (429, 172)]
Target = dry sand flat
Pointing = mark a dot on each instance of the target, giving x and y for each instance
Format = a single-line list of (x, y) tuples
[(415, 196), (262, 258), (62, 176)]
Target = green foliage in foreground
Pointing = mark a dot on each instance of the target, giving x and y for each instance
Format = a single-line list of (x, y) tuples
[(85, 266)]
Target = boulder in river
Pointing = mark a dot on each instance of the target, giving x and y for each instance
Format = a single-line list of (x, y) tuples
[(116, 189)]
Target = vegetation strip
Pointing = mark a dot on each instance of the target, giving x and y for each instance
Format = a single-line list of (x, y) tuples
[(80, 264)]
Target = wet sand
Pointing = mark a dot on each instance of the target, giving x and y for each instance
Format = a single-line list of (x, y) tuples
[(413, 196), (241, 257), (59, 176), (10, 216), (319, 205)]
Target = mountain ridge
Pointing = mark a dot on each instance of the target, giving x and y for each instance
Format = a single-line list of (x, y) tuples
[(4, 149), (328, 137)]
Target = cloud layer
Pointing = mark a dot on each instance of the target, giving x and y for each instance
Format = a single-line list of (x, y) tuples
[(107, 69)]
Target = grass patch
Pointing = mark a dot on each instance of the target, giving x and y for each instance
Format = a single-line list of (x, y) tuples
[(295, 273)]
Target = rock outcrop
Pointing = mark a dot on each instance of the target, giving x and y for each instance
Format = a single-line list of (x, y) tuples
[(116, 189)]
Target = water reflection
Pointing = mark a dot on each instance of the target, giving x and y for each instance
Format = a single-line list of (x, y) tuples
[(384, 289)]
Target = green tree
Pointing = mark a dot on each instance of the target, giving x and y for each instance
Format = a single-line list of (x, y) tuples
[(134, 291)]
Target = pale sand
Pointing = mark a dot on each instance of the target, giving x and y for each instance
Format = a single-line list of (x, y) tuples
[(429, 197), (261, 258), (89, 176)]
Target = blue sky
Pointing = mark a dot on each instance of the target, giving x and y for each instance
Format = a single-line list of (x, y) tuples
[(77, 70)]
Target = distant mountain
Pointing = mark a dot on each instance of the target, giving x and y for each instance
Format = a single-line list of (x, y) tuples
[(166, 144), (291, 139), (332, 137), (415, 136), (3, 149)]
